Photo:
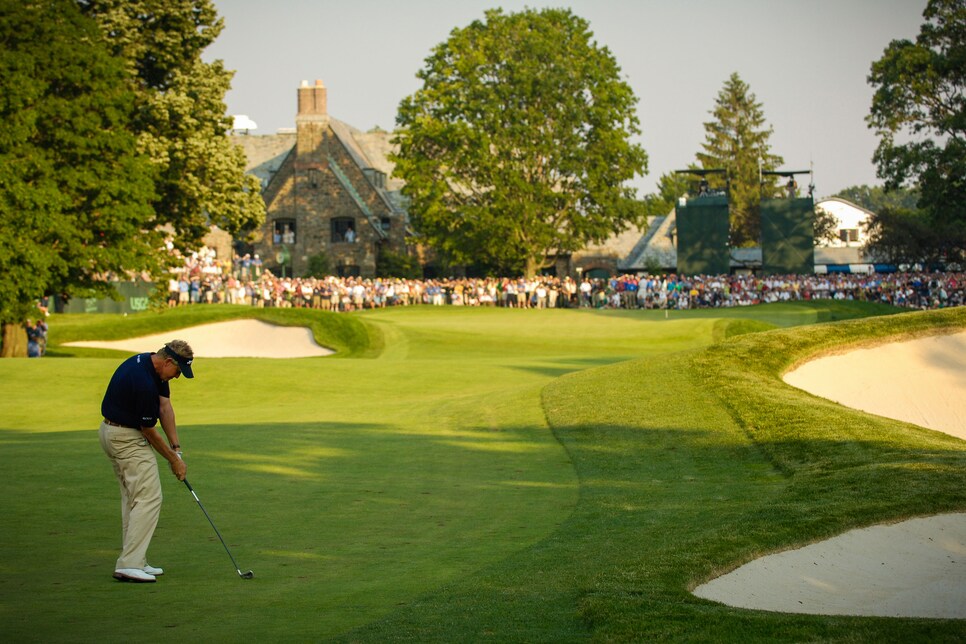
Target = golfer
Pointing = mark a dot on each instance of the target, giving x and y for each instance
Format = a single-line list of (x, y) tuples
[(137, 397)]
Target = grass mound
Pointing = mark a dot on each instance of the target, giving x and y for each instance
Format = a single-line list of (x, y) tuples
[(348, 336)]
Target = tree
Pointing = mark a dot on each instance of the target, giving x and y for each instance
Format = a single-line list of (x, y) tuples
[(671, 187), (826, 226), (905, 236), (393, 264), (319, 266), (181, 122), (918, 113), (877, 198), (75, 194), (737, 140), (518, 144), (885, 228)]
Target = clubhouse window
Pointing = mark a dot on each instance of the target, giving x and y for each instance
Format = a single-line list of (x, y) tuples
[(284, 231), (343, 230), (849, 234)]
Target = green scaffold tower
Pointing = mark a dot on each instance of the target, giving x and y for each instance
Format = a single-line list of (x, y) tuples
[(703, 229), (788, 230)]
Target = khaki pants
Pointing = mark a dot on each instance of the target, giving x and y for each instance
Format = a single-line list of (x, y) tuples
[(136, 469)]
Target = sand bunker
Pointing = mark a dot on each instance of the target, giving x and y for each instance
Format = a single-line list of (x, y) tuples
[(235, 339), (916, 568), (920, 381)]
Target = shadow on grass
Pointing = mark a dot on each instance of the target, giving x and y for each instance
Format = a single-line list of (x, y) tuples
[(343, 520), (662, 509), (570, 365)]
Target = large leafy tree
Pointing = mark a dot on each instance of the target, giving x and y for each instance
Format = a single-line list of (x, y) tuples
[(736, 139), (877, 198), (518, 144), (670, 188), (889, 223), (906, 236), (181, 123), (919, 112), (75, 194)]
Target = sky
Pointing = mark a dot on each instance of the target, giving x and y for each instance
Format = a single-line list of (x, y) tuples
[(806, 62)]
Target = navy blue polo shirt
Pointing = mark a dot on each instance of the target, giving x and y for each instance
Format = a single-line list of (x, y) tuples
[(132, 397)]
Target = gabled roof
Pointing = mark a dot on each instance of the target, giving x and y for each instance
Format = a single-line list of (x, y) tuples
[(266, 154), (655, 247), (844, 201), (345, 134), (360, 203)]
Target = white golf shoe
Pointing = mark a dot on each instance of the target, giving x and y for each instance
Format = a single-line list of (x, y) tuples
[(151, 570), (135, 575)]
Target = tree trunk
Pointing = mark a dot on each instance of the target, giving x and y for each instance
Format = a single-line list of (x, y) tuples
[(14, 341), (532, 267)]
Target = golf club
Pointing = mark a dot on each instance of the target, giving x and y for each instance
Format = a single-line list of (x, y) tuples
[(243, 575)]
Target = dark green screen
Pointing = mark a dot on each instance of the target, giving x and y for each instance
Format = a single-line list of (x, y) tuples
[(702, 232), (787, 236)]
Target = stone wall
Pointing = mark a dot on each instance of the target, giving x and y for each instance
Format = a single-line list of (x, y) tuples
[(325, 183)]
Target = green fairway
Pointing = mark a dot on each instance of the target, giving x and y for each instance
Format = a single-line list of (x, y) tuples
[(463, 475)]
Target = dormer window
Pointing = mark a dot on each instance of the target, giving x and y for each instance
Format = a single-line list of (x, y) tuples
[(376, 177)]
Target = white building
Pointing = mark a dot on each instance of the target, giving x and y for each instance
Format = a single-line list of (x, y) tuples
[(845, 253)]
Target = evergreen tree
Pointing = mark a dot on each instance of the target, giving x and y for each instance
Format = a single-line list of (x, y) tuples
[(75, 194), (737, 140), (181, 122), (518, 144)]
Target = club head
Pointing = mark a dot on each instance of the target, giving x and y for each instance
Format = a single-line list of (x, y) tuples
[(246, 575)]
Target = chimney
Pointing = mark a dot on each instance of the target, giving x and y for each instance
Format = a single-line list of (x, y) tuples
[(312, 100)]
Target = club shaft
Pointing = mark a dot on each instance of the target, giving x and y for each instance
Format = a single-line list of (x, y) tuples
[(207, 516)]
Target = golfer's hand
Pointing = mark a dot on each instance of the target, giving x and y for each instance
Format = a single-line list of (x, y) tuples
[(179, 469)]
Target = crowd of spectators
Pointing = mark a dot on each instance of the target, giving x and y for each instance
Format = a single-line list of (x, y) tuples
[(204, 280), (36, 337)]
